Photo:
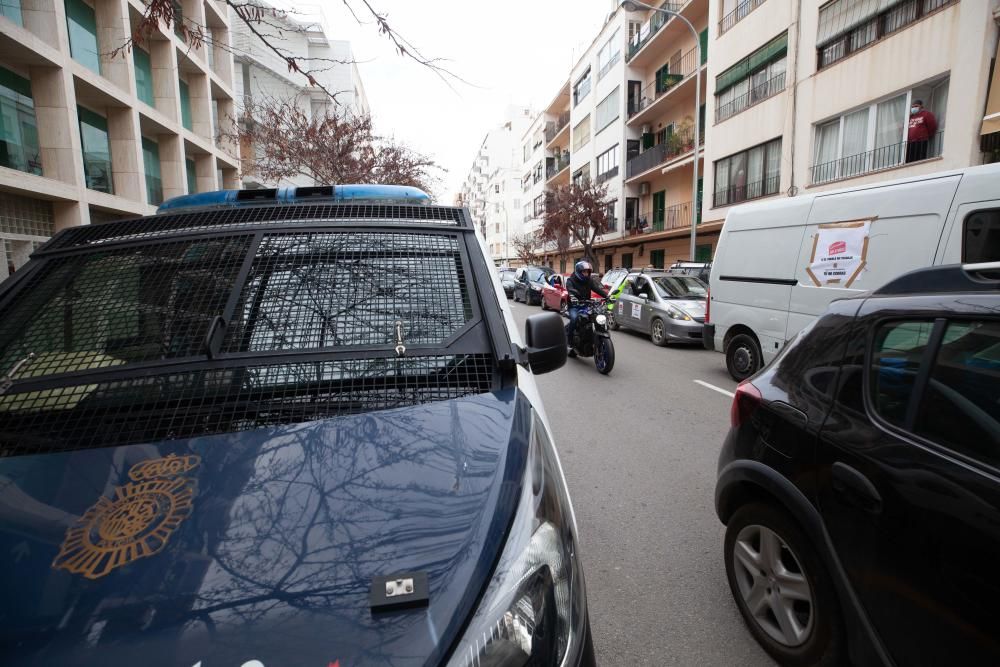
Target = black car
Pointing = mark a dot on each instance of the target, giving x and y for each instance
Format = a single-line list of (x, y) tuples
[(529, 281), (860, 482), (507, 281), (283, 427)]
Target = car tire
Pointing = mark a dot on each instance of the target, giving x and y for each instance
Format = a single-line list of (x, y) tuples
[(743, 357), (564, 308), (658, 332), (812, 633), (613, 320)]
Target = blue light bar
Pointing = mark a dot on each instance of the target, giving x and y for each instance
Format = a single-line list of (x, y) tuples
[(354, 194)]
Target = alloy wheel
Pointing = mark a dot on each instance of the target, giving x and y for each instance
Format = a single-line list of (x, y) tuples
[(774, 585), (657, 331)]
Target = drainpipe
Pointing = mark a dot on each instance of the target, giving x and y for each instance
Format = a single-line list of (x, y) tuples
[(794, 69)]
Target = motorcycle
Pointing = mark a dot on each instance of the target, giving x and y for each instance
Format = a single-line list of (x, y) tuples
[(591, 337)]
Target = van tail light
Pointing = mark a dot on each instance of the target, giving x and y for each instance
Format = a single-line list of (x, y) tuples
[(708, 306), (748, 398)]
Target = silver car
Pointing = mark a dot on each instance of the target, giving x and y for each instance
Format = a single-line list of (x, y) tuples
[(670, 308)]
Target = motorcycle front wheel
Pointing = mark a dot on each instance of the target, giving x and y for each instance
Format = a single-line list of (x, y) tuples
[(604, 355)]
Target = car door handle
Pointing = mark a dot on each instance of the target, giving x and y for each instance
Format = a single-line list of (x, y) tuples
[(790, 413), (855, 488)]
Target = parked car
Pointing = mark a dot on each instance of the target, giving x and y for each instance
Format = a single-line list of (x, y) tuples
[(507, 281), (859, 484), (529, 281), (699, 270), (555, 296), (275, 431), (766, 279), (669, 308)]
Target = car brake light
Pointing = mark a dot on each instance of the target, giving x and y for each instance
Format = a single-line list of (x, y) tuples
[(747, 399), (708, 306)]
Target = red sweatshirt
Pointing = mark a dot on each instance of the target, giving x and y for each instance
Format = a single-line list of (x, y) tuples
[(923, 126)]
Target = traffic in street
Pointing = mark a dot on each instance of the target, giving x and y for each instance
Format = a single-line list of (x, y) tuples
[(639, 448)]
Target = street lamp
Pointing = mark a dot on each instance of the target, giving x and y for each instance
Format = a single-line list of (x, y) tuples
[(633, 6)]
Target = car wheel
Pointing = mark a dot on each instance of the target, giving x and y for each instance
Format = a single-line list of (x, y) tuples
[(782, 588), (612, 320), (564, 308), (658, 332), (743, 357)]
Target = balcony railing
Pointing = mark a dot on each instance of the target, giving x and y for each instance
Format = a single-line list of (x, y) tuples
[(884, 157), (677, 216), (676, 144), (665, 82), (650, 28), (553, 128), (741, 12), (755, 95), (556, 165), (607, 175), (746, 192), (876, 28), (98, 175)]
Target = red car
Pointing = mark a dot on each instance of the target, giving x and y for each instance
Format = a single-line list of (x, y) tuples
[(554, 294)]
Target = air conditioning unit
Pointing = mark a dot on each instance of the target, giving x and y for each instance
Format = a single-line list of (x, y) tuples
[(647, 129), (644, 188)]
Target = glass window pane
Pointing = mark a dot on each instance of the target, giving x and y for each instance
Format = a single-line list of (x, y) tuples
[(890, 121), (18, 131), (825, 154), (96, 150), (982, 237), (755, 173), (12, 10), (961, 406), (773, 169), (899, 349), (143, 75), (82, 26), (855, 143), (738, 176), (192, 176), (722, 182), (151, 160)]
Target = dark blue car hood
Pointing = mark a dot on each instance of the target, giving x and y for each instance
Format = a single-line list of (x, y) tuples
[(259, 545)]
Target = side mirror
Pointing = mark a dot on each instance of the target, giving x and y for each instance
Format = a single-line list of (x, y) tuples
[(545, 336)]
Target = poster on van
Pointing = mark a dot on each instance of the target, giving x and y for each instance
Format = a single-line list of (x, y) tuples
[(839, 253)]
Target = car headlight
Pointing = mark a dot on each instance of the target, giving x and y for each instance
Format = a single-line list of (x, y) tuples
[(677, 314), (534, 609), (601, 319)]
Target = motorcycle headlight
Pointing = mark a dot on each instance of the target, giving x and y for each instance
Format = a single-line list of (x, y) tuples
[(677, 314), (601, 319), (534, 609)]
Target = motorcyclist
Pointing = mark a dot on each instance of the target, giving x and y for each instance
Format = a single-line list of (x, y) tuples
[(580, 285)]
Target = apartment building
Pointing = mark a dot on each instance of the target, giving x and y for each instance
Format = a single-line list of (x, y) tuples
[(806, 96), (533, 159), (261, 75), (87, 137)]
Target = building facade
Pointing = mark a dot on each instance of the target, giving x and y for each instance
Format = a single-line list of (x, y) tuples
[(87, 136), (261, 76), (808, 97)]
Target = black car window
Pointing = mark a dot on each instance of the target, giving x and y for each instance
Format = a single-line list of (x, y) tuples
[(981, 237), (899, 349), (961, 404)]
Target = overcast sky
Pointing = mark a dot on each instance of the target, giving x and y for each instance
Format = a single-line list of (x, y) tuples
[(510, 52)]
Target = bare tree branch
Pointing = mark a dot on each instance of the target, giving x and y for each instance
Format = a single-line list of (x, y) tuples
[(576, 212)]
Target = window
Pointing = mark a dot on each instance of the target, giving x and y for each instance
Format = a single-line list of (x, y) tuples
[(656, 258), (703, 253), (581, 88), (846, 26), (581, 175), (875, 136), (981, 237), (581, 134), (527, 212), (12, 10), (151, 161), (608, 56), (18, 130), (611, 222), (899, 349), (82, 26), (752, 80), (192, 176), (538, 206), (627, 260), (526, 182), (96, 150), (526, 153), (607, 164), (539, 171), (186, 106), (143, 75), (607, 110), (748, 175), (496, 188)]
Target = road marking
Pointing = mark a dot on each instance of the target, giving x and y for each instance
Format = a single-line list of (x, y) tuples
[(713, 387)]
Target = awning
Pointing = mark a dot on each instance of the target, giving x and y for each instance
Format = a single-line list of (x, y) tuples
[(991, 121)]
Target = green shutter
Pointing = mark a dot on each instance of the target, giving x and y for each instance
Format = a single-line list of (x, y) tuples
[(185, 106), (659, 209), (96, 150), (647, 140), (151, 160), (771, 51), (703, 253), (703, 39), (192, 176), (732, 76), (143, 76), (656, 258), (81, 23)]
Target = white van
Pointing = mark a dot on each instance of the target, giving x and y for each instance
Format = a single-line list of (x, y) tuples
[(780, 263)]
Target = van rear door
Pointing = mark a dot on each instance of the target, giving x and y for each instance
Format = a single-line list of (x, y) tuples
[(906, 225)]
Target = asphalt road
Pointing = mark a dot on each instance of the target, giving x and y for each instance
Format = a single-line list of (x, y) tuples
[(639, 448)]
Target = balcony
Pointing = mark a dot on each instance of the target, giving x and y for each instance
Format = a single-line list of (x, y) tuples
[(556, 165), (754, 96), (651, 221), (746, 192), (649, 29), (675, 146), (884, 157), (741, 12), (555, 129), (663, 85)]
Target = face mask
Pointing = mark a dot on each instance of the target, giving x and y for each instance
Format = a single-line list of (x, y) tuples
[(914, 109)]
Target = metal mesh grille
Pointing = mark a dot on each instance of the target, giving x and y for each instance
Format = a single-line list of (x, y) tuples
[(164, 225), (121, 306), (193, 403), (310, 291)]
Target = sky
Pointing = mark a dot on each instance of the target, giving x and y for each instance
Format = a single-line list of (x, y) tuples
[(507, 52)]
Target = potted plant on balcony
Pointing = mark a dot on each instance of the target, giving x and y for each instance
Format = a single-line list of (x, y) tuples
[(685, 134)]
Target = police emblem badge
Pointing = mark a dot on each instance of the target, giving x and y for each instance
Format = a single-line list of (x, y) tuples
[(136, 523)]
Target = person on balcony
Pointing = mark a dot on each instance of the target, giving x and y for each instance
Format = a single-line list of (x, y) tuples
[(922, 128)]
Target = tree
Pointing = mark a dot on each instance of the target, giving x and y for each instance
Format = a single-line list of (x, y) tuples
[(526, 247), (576, 213), (280, 140)]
